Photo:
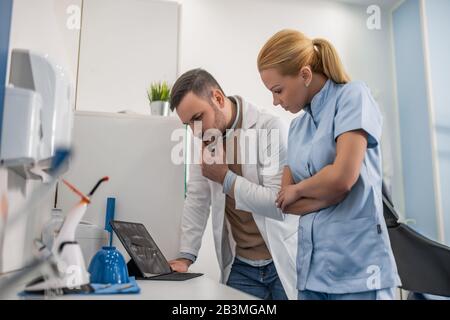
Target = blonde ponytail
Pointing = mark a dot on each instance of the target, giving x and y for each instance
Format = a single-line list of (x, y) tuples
[(329, 62), (289, 50)]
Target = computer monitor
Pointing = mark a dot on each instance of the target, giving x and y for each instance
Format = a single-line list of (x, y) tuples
[(147, 261), (142, 248)]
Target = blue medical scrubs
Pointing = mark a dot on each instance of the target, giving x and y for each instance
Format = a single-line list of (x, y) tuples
[(343, 249)]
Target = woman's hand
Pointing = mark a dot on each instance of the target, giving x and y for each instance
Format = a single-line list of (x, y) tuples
[(287, 196)]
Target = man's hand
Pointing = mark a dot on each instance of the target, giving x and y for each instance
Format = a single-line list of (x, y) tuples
[(180, 265), (214, 166)]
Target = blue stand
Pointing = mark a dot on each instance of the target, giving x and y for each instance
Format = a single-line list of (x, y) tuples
[(110, 211)]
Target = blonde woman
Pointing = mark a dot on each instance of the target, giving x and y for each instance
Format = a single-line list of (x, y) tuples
[(333, 177)]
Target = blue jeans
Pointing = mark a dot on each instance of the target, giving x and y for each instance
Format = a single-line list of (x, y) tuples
[(382, 294), (262, 282)]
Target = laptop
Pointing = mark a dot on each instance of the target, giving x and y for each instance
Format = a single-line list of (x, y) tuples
[(147, 261)]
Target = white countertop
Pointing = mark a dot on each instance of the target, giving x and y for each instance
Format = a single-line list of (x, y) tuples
[(201, 288)]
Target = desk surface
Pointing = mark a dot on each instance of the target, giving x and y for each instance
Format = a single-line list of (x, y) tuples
[(201, 288)]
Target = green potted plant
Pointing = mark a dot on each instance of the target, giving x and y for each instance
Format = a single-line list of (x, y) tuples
[(158, 96)]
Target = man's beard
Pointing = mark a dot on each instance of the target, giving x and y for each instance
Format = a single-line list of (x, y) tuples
[(219, 120)]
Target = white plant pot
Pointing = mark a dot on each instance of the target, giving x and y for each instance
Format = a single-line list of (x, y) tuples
[(160, 108)]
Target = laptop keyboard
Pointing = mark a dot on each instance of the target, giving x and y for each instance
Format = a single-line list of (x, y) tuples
[(176, 276)]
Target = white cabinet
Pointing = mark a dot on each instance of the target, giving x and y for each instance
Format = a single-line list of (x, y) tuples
[(135, 152)]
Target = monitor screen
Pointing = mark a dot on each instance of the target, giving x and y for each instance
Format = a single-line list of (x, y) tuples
[(141, 247)]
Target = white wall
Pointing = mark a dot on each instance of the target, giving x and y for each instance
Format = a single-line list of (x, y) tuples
[(45, 26), (125, 46), (224, 37)]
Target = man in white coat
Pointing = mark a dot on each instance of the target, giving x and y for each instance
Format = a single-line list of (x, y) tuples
[(243, 152)]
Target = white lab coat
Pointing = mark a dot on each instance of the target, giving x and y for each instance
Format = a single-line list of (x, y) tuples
[(254, 192)]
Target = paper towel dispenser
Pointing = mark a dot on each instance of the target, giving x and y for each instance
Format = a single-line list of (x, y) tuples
[(38, 112)]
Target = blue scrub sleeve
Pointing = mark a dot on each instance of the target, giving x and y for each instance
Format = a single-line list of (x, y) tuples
[(356, 109)]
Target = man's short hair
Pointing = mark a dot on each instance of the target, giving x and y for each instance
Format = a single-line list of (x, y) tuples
[(197, 81)]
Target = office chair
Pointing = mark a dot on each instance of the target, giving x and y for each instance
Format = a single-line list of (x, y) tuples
[(423, 264)]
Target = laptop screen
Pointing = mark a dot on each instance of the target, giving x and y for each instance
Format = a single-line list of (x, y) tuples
[(141, 247)]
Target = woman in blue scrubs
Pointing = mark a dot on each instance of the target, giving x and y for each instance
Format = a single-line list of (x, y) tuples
[(333, 177)]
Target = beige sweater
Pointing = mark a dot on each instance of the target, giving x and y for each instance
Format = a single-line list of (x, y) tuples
[(249, 242)]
